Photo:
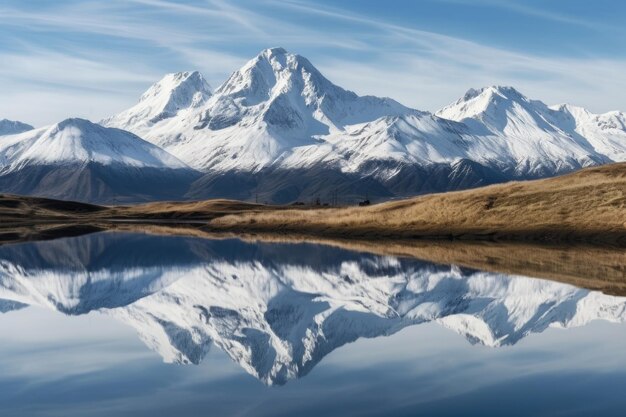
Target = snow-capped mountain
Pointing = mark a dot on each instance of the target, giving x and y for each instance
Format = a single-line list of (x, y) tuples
[(274, 103), (77, 159), (606, 133), (279, 129), (531, 138), (175, 96), (11, 127), (278, 309)]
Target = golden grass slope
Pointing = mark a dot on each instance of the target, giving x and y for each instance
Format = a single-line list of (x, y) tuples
[(586, 204)]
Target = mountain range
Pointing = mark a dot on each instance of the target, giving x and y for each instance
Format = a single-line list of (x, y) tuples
[(279, 131), (277, 309)]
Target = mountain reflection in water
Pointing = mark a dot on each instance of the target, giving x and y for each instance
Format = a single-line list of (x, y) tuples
[(279, 309)]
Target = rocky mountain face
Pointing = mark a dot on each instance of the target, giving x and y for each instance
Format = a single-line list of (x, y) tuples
[(279, 309)]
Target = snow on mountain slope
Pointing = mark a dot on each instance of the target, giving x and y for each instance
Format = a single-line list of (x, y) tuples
[(11, 127), (276, 102), (278, 309), (79, 160), (173, 96), (77, 141), (525, 135), (412, 138), (278, 118), (605, 132)]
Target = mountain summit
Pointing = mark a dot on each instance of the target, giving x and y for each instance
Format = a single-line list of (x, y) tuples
[(494, 106), (79, 141), (172, 95), (78, 159), (11, 127), (540, 140), (289, 90)]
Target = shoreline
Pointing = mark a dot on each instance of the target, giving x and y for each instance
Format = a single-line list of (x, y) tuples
[(597, 238), (585, 265)]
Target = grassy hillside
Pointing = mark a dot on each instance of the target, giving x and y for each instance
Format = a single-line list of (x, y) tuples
[(19, 209), (588, 205)]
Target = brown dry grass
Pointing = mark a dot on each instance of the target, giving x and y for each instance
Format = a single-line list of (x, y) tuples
[(589, 203), (196, 210)]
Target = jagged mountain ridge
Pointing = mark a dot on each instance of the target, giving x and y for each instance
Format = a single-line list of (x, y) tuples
[(278, 309), (278, 131), (278, 118), (521, 128), (80, 160), (274, 102)]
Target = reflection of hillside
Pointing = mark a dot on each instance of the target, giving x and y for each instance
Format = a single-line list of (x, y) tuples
[(591, 267)]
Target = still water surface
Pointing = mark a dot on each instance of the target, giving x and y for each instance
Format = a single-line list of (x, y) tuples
[(140, 325)]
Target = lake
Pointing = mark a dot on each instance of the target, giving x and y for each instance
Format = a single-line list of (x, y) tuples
[(132, 324)]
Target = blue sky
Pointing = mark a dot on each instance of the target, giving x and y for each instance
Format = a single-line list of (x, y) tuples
[(94, 58)]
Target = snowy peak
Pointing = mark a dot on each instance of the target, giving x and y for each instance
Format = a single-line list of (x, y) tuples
[(79, 141), (492, 105), (504, 111), (532, 139), (75, 122), (503, 91), (12, 127), (275, 70), (163, 100), (290, 86), (265, 68), (177, 91), (613, 120), (530, 133), (605, 133)]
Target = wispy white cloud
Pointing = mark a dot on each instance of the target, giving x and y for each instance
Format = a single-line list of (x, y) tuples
[(429, 84), (136, 41), (105, 21), (432, 69), (529, 10), (41, 85)]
